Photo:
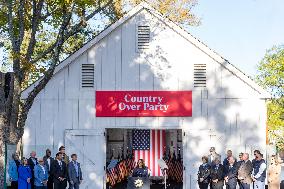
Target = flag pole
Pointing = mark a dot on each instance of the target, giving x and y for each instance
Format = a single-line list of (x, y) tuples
[(165, 178)]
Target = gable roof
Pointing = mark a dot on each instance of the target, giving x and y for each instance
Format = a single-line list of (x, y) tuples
[(187, 36)]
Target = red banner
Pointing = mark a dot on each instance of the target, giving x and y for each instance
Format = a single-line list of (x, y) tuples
[(143, 103)]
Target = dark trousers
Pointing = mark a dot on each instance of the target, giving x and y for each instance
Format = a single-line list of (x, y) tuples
[(32, 183), (59, 184), (50, 183), (244, 186), (203, 185), (14, 185), (40, 187), (231, 185), (218, 185), (75, 184)]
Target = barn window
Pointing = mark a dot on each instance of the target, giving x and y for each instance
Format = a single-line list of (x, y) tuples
[(142, 37), (199, 75), (88, 73)]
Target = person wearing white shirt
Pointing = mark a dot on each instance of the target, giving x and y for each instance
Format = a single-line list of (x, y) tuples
[(259, 170)]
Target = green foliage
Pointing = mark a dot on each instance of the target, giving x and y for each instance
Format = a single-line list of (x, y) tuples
[(271, 77), (53, 13), (271, 71)]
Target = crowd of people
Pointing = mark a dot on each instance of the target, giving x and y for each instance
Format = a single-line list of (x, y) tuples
[(46, 172), (54, 173), (243, 172)]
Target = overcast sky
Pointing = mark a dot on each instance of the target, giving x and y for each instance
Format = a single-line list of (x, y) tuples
[(241, 31)]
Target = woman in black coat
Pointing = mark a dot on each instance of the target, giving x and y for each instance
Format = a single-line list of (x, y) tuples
[(204, 173)]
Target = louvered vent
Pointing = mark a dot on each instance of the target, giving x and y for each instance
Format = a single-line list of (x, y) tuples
[(199, 75), (143, 37), (88, 73)]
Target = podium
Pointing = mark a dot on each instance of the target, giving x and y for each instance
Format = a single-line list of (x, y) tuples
[(132, 180)]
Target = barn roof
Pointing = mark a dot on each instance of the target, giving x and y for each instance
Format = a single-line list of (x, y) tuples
[(187, 36)]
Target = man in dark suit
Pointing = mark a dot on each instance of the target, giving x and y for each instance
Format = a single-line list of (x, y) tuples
[(231, 174), (226, 160), (59, 172), (32, 162), (74, 173), (244, 172), (47, 162), (217, 174)]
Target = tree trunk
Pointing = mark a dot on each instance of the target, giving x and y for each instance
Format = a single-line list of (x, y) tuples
[(2, 159), (6, 94)]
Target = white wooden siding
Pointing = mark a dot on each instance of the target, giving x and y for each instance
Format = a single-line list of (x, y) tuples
[(228, 110)]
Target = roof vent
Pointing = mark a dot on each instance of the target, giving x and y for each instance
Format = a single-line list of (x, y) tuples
[(142, 37), (88, 72), (199, 75)]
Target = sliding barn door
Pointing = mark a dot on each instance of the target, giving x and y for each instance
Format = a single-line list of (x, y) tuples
[(90, 146)]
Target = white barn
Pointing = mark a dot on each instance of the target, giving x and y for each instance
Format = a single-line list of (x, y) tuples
[(228, 108)]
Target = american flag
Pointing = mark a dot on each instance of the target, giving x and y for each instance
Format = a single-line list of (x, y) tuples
[(149, 145)]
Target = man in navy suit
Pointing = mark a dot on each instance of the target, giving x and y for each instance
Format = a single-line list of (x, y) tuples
[(32, 161), (74, 173), (217, 174), (59, 172), (231, 174)]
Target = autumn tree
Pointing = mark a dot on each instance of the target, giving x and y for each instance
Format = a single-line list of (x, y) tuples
[(271, 77), (37, 34)]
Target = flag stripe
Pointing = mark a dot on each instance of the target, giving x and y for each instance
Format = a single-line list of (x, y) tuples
[(159, 149), (156, 149)]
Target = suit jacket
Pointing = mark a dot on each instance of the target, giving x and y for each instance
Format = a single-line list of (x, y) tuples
[(245, 171), (211, 159), (46, 163), (31, 163), (72, 174), (13, 170), (226, 163), (232, 173), (40, 175), (217, 173), (58, 171), (204, 172)]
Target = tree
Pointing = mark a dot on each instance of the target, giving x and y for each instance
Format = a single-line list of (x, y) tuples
[(271, 77), (37, 34), (37, 31)]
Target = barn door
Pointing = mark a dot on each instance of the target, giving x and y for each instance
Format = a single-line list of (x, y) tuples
[(196, 143), (90, 146)]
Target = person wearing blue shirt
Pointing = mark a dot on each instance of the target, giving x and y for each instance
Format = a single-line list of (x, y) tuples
[(13, 171), (40, 175), (74, 173), (25, 175)]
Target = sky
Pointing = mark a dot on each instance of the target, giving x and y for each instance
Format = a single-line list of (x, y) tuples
[(240, 31)]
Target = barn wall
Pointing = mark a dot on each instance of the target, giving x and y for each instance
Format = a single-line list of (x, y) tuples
[(227, 114)]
